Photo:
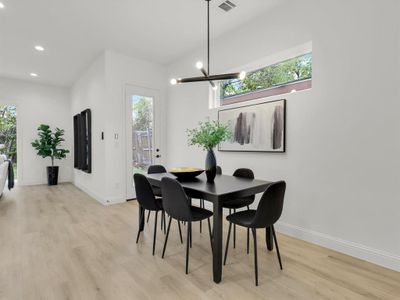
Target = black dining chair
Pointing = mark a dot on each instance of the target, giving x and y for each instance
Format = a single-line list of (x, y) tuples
[(238, 203), (268, 212), (156, 169), (177, 205), (148, 201), (219, 170), (152, 169)]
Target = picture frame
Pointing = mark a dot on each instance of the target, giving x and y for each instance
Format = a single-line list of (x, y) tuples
[(259, 127)]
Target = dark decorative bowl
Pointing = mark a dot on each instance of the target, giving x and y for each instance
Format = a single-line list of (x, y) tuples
[(186, 174)]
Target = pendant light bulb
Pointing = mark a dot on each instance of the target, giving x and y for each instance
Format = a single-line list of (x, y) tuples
[(215, 87), (199, 65), (242, 75), (173, 81)]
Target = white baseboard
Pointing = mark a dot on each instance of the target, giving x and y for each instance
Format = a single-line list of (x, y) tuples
[(375, 256), (99, 198), (114, 200), (90, 193), (379, 257), (37, 182)]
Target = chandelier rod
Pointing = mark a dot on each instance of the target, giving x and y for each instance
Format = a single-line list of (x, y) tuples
[(206, 73), (208, 36)]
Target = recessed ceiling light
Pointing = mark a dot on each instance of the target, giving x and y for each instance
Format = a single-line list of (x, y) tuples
[(2, 5), (39, 48), (34, 75)]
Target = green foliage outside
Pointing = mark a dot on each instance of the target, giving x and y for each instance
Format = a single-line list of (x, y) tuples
[(8, 132), (48, 142), (142, 113), (209, 134), (291, 70)]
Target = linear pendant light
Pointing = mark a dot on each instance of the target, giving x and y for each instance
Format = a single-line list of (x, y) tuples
[(206, 73)]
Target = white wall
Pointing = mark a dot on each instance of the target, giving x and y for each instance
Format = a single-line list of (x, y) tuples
[(121, 71), (38, 104), (102, 89), (342, 157), (90, 92)]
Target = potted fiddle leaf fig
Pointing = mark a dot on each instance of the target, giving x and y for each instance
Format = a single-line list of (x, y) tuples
[(48, 145), (207, 136)]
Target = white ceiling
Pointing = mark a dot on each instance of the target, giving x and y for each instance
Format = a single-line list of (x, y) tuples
[(74, 32)]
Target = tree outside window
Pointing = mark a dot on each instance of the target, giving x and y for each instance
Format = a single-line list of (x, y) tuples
[(8, 133), (292, 70)]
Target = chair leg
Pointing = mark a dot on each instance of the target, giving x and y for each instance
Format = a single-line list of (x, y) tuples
[(155, 233), (209, 232), (276, 245), (166, 237), (148, 216), (255, 254), (201, 221), (140, 221), (190, 236), (248, 234), (227, 242), (164, 221), (248, 239), (234, 232), (180, 231), (189, 229)]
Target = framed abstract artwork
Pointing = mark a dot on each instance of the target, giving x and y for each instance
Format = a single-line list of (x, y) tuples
[(255, 128)]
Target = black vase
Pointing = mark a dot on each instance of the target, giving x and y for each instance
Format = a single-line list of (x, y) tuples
[(52, 175), (211, 166)]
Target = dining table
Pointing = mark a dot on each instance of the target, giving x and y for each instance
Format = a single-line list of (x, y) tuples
[(224, 188)]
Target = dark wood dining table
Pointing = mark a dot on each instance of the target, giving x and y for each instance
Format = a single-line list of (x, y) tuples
[(225, 187)]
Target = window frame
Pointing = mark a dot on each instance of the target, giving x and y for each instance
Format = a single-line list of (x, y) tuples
[(281, 89), (286, 88)]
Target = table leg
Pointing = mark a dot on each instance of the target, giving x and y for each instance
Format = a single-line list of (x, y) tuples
[(217, 242), (268, 239), (141, 220)]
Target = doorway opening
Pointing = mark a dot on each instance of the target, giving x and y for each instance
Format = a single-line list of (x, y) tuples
[(8, 134)]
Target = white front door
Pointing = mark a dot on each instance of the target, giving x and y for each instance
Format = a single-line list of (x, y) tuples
[(142, 133)]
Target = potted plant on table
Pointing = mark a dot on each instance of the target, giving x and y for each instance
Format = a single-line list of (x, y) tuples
[(47, 146), (207, 136)]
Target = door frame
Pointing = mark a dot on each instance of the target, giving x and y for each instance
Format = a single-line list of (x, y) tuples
[(130, 90)]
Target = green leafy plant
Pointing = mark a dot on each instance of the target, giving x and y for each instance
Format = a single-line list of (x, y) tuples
[(209, 134), (8, 132), (48, 142)]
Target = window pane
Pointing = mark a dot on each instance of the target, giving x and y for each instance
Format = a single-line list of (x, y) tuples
[(142, 133), (289, 71)]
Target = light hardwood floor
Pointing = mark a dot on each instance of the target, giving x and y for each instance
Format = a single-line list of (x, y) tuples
[(58, 243)]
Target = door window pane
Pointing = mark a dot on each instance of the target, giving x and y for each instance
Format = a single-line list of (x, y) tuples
[(142, 133)]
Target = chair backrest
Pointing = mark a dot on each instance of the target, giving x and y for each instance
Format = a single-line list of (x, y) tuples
[(175, 201), (144, 192), (245, 173), (219, 170), (270, 207), (156, 169)]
